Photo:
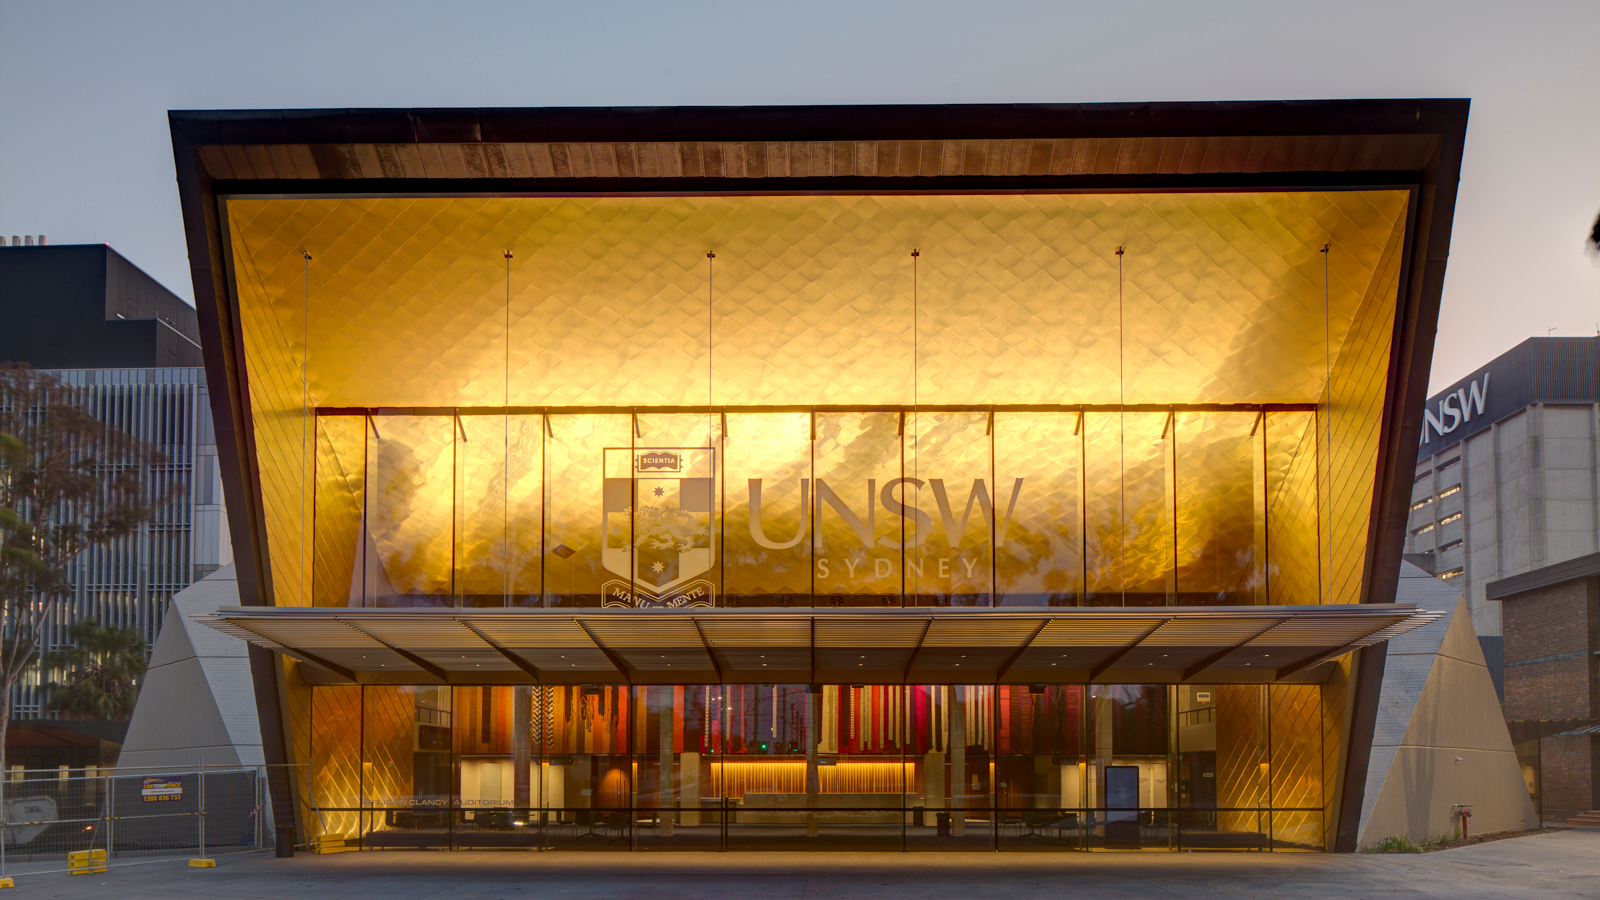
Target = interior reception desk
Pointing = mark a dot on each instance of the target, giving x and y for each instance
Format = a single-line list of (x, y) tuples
[(827, 809)]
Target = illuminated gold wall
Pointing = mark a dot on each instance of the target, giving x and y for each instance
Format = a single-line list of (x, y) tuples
[(610, 306)]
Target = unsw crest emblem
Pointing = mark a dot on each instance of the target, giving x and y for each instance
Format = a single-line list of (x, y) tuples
[(658, 533)]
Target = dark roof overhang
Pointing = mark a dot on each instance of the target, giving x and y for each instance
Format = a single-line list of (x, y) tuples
[(1586, 566)]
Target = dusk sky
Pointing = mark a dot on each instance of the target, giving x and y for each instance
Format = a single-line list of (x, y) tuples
[(85, 154)]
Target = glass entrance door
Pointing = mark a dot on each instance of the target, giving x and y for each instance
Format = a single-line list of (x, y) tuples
[(1132, 741), (679, 804), (586, 767)]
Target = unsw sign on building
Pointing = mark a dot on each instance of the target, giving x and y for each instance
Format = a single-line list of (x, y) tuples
[(1455, 409)]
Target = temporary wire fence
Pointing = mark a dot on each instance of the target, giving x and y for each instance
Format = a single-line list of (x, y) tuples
[(82, 820)]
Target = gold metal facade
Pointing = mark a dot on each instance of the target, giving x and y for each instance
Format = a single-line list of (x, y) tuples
[(482, 396), (1134, 399)]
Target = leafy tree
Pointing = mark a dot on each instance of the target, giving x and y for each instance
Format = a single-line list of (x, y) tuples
[(1594, 236), (68, 482), (103, 666)]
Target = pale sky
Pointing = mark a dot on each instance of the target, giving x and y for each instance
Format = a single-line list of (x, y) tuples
[(85, 154)]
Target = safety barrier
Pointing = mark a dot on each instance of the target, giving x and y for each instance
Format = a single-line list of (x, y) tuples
[(87, 820)]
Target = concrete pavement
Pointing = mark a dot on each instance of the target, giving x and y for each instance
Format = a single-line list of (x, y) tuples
[(1564, 864)]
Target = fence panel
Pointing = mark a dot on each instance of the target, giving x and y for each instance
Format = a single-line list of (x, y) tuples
[(135, 816)]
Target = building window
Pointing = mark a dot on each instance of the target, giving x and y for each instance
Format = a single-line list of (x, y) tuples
[(1450, 518), (1449, 491), (1448, 464), (1424, 529), (1421, 503), (1452, 573), (1451, 546), (1422, 476)]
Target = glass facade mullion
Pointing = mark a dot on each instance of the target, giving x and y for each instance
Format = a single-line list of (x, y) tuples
[(940, 508)]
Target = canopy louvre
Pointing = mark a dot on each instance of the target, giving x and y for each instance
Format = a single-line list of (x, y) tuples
[(1156, 645)]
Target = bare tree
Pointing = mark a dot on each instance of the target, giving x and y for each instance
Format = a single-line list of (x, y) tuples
[(67, 482)]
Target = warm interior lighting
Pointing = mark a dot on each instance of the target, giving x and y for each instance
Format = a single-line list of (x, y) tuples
[(607, 317), (737, 777)]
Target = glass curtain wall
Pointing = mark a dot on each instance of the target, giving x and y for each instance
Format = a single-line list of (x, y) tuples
[(796, 767), (974, 507)]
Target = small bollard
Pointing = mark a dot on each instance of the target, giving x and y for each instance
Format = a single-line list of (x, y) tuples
[(285, 848)]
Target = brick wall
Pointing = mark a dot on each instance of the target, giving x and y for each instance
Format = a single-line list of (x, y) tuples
[(1568, 766), (1557, 627), (1551, 635)]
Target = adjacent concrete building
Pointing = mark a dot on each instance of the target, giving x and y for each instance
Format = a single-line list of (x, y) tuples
[(1506, 475), (132, 348), (85, 306)]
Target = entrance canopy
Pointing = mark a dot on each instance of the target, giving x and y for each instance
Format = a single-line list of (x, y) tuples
[(891, 646)]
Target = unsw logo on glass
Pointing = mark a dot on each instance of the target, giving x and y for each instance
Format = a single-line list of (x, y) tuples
[(658, 522)]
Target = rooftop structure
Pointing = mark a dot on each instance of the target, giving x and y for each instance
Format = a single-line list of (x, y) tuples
[(84, 306)]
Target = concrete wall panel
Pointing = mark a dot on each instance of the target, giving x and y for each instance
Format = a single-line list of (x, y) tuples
[(198, 701), (1440, 737), (1490, 781), (1451, 714), (176, 702)]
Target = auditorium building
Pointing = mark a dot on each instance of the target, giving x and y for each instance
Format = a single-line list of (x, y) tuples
[(784, 478)]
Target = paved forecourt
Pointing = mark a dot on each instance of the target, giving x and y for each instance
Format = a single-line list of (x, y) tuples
[(1563, 864)]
